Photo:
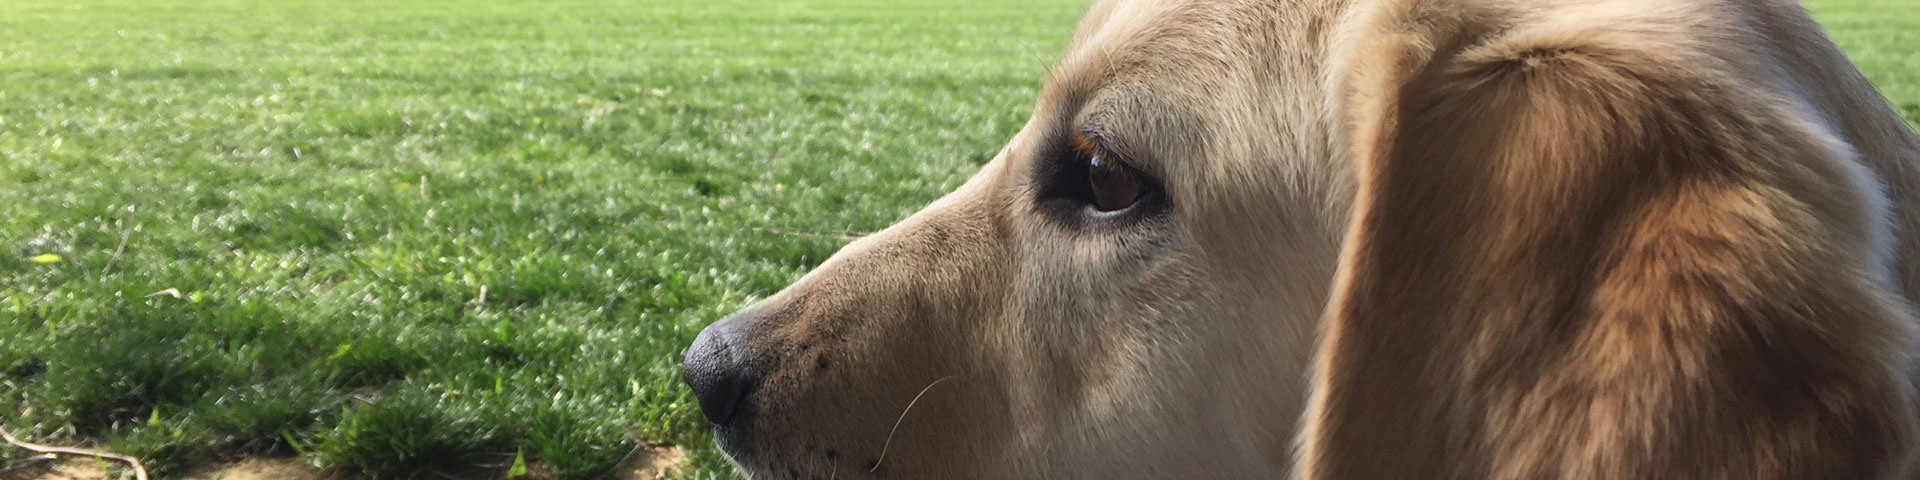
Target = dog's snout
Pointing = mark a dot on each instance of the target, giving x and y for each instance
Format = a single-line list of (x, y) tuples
[(716, 369)]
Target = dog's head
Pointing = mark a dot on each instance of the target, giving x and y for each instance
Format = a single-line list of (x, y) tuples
[(1129, 288), (1585, 241)]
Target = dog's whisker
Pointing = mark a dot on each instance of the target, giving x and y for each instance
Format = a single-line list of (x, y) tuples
[(903, 416)]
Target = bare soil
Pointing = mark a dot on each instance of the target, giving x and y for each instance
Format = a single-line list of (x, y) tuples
[(653, 463)]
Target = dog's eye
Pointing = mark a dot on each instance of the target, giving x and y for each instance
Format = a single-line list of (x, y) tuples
[(1115, 186), (1084, 182)]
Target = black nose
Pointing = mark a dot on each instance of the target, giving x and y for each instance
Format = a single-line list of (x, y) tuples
[(716, 369)]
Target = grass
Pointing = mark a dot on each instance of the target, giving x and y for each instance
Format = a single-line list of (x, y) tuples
[(330, 185), (313, 195)]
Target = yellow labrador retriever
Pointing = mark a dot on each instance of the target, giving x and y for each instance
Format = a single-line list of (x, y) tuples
[(1377, 239)]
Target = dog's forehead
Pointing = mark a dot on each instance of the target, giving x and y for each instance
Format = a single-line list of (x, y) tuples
[(1193, 53), (1116, 36), (1139, 61), (1196, 68), (1216, 98)]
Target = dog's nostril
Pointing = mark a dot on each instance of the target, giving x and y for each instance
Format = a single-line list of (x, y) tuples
[(717, 373)]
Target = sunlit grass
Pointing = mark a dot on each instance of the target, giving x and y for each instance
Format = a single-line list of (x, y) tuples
[(265, 227), (313, 196)]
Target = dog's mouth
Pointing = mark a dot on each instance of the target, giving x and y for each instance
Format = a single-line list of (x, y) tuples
[(765, 440), (732, 439), (754, 461), (735, 440)]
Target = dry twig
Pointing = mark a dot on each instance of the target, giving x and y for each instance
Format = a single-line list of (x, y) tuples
[(124, 235), (139, 470), (841, 236)]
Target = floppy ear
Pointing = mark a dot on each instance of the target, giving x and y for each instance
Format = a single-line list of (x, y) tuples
[(1588, 254)]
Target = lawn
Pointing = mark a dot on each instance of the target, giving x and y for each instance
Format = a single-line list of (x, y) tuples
[(401, 238), (330, 186)]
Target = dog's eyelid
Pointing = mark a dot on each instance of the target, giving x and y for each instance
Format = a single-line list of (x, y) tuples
[(1090, 141), (1096, 128), (1092, 138)]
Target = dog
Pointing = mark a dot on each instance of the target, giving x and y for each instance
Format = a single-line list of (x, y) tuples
[(1376, 239)]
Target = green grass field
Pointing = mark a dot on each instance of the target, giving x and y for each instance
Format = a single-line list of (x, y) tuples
[(264, 228)]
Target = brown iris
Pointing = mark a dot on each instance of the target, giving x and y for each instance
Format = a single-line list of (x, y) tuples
[(1115, 187)]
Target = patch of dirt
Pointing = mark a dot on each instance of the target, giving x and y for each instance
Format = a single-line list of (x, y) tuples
[(67, 469), (258, 469), (87, 469), (656, 462), (650, 462)]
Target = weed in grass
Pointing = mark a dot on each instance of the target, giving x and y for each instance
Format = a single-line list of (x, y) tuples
[(407, 433)]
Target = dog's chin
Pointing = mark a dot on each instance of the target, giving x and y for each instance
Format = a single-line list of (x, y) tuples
[(755, 460), (735, 441), (741, 454), (754, 467), (729, 440)]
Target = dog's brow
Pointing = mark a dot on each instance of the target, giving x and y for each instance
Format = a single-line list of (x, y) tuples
[(1094, 126), (1096, 98), (1122, 120)]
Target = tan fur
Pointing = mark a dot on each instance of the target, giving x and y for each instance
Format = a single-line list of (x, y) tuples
[(1452, 239)]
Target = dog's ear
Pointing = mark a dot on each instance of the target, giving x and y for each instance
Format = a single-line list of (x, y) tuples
[(1590, 253)]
